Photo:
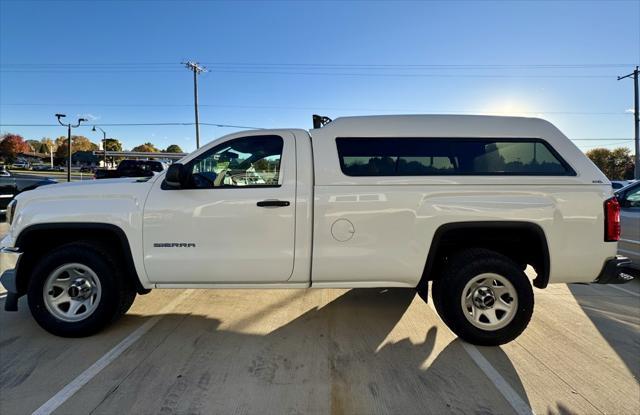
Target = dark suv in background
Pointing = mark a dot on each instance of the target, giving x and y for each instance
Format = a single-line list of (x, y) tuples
[(132, 168)]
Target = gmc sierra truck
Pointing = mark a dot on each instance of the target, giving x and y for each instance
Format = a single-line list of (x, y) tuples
[(463, 202)]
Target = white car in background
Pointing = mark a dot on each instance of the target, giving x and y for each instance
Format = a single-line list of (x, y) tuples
[(629, 245)]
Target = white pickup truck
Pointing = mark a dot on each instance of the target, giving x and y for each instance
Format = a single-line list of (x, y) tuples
[(466, 202)]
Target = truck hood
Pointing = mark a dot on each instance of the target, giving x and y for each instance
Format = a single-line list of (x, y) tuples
[(102, 182), (118, 202), (89, 189)]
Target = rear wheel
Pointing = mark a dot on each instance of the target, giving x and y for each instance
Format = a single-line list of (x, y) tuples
[(484, 297), (77, 289)]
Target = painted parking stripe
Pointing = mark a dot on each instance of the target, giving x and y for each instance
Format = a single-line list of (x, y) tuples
[(508, 393), (624, 290), (83, 378)]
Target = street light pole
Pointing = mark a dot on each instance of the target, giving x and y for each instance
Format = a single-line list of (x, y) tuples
[(104, 144), (69, 127)]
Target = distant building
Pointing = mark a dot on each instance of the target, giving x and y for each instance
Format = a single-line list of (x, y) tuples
[(84, 158)]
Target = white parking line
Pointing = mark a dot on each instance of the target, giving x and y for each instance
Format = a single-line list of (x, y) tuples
[(508, 393), (75, 385), (624, 290)]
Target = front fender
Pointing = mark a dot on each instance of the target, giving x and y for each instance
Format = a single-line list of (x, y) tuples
[(120, 211)]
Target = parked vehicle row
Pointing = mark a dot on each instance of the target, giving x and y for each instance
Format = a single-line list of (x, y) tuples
[(132, 168), (12, 184), (46, 167)]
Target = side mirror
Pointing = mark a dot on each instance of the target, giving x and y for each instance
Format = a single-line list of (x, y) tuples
[(176, 176)]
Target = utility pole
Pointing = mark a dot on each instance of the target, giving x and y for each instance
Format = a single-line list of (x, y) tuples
[(636, 119), (104, 145), (197, 69), (69, 127)]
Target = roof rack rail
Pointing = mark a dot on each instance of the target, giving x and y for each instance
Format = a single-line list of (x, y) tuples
[(320, 121)]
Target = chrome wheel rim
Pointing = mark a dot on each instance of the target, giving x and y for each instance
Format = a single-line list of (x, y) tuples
[(72, 292), (489, 301)]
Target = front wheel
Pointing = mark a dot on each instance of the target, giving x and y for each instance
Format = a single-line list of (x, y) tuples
[(77, 289), (484, 297)]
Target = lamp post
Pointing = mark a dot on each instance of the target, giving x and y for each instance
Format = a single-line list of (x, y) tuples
[(69, 127), (104, 144)]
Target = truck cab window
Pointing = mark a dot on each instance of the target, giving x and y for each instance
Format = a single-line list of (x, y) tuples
[(448, 156), (247, 161)]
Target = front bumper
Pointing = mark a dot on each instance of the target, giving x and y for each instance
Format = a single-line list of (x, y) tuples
[(617, 271), (9, 260)]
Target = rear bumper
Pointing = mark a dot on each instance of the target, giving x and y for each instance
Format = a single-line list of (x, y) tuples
[(9, 260), (617, 271)]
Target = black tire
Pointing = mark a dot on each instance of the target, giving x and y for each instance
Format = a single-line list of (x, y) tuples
[(447, 292), (116, 294), (127, 301)]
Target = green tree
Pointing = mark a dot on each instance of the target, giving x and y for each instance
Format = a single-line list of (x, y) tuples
[(616, 164), (11, 145), (113, 144), (146, 148), (174, 148), (34, 145), (47, 145)]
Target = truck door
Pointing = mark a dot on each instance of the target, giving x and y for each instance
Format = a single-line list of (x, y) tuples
[(234, 221)]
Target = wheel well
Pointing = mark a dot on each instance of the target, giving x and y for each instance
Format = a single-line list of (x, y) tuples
[(524, 242), (36, 240)]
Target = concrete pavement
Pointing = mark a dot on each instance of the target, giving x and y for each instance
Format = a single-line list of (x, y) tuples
[(331, 351), (312, 351)]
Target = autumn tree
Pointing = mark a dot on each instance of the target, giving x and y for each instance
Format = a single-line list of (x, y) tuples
[(146, 148), (11, 145), (173, 148), (616, 164), (78, 143)]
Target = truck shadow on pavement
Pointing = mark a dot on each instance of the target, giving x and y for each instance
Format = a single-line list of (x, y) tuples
[(617, 318), (350, 356)]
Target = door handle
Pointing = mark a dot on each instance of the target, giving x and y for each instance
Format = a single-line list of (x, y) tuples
[(273, 203)]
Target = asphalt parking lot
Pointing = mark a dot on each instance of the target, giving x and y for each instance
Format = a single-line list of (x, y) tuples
[(356, 351)]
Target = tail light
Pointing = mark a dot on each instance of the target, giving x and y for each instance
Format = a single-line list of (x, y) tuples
[(611, 220)]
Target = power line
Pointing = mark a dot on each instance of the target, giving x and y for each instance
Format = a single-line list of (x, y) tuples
[(618, 113), (141, 125), (345, 74), (329, 65), (320, 69), (606, 145)]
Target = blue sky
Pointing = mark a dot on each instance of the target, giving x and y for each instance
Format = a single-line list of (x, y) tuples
[(273, 64)]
